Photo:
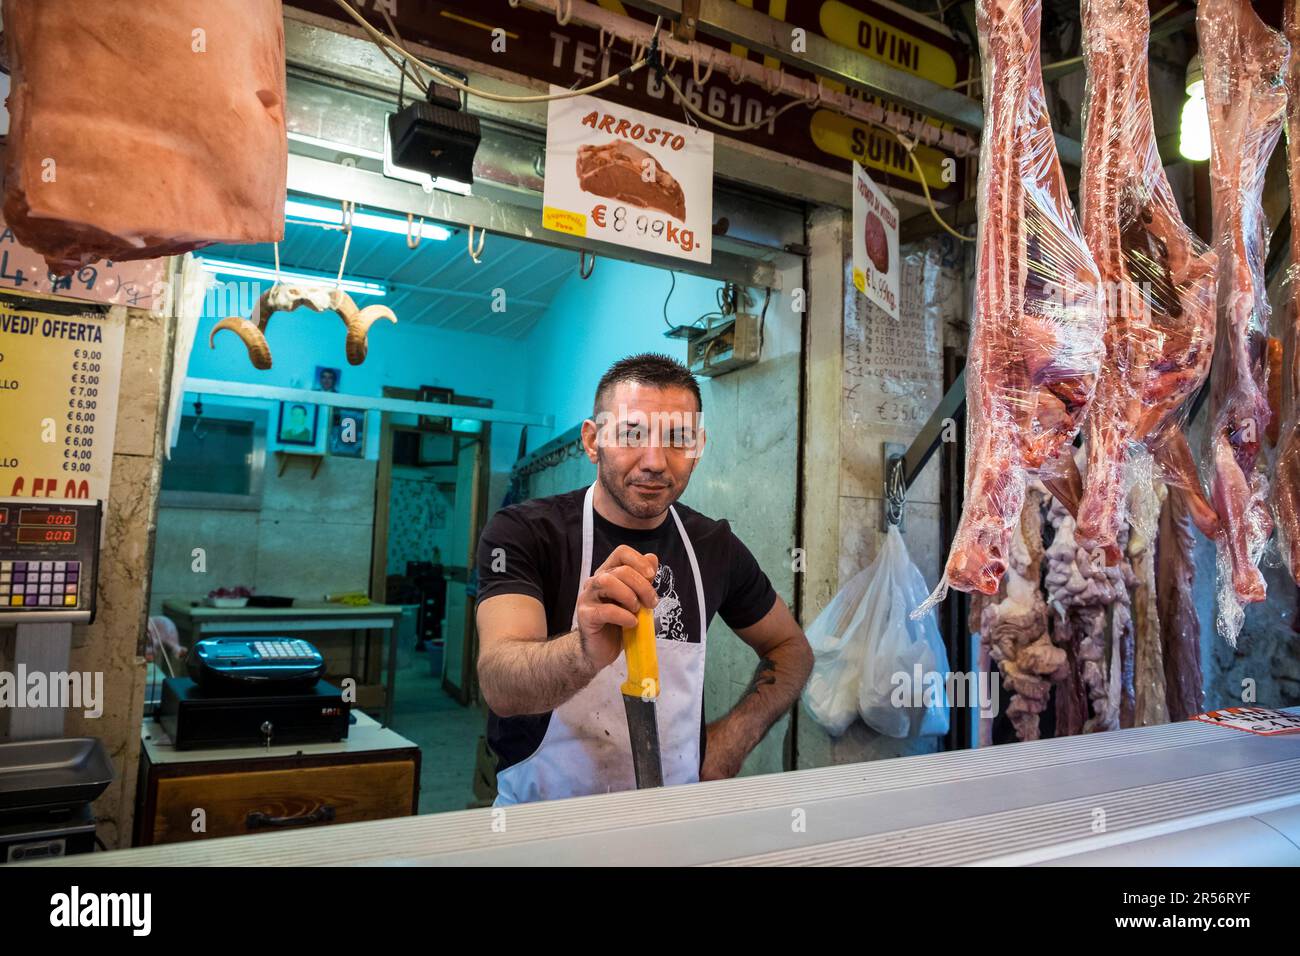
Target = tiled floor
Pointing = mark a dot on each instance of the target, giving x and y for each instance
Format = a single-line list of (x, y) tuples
[(446, 733)]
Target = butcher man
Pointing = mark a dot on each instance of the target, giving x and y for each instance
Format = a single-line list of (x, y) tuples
[(560, 577)]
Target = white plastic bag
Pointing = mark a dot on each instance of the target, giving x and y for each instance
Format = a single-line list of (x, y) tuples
[(838, 643), (872, 660)]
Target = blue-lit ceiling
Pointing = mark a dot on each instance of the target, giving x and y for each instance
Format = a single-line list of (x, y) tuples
[(435, 284)]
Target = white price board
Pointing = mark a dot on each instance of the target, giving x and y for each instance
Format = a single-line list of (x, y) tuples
[(875, 243), (620, 175)]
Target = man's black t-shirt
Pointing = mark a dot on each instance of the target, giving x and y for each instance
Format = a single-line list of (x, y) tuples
[(535, 548)]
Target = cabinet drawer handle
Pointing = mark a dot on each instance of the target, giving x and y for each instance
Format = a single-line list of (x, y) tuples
[(257, 819)]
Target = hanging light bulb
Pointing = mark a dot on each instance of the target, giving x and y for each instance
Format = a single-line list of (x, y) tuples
[(1194, 129)]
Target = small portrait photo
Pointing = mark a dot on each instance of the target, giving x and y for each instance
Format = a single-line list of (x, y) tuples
[(327, 379), (297, 424), (347, 432)]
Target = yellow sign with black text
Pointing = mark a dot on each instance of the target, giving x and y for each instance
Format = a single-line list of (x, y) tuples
[(59, 377)]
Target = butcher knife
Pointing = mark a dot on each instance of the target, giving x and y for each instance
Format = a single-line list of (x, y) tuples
[(640, 693)]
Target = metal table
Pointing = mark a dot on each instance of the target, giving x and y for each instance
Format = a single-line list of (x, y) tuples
[(195, 622)]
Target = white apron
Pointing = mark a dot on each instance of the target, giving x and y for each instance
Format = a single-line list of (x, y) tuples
[(586, 749)]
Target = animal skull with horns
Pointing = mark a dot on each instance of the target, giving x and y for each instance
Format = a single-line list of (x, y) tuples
[(286, 298)]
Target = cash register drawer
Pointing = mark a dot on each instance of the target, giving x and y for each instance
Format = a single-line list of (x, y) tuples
[(230, 794), (273, 800)]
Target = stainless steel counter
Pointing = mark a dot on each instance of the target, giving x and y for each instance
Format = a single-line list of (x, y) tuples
[(1177, 794)]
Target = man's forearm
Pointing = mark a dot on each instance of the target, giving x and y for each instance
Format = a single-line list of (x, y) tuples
[(533, 677), (778, 681)]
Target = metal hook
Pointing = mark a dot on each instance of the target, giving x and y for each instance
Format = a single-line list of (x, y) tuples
[(413, 238), (563, 18), (816, 101), (735, 71), (637, 48), (198, 419), (695, 69), (474, 253), (895, 490), (584, 270), (773, 87)]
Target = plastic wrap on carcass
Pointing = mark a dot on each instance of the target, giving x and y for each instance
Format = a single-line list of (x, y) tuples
[(1158, 282), (140, 130), (1036, 345), (1245, 92), (1286, 491)]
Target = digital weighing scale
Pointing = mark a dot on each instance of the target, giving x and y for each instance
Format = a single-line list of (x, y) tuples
[(48, 564), (49, 570)]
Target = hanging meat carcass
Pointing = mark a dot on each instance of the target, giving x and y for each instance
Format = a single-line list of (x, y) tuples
[(1244, 64), (1036, 346), (1286, 494), (1092, 624), (1013, 626), (1157, 275), (1180, 628), (140, 130)]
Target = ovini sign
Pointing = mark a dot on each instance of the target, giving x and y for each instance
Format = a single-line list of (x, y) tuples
[(532, 44)]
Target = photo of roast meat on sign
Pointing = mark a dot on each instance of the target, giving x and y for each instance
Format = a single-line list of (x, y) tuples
[(619, 171), (877, 243)]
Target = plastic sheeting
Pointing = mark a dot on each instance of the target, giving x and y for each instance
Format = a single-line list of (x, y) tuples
[(1244, 64), (140, 130), (1036, 346), (1286, 496), (1158, 283)]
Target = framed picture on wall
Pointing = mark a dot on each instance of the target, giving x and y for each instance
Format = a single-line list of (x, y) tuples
[(327, 379), (347, 432), (297, 425), (435, 423)]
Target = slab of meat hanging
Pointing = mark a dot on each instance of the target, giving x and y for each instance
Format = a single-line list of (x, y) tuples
[(1244, 63), (1286, 494), (1036, 346), (1158, 279), (140, 130)]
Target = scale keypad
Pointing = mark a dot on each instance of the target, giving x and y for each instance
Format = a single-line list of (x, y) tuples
[(39, 584)]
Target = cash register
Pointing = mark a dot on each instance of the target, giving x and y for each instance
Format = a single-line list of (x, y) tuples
[(250, 691)]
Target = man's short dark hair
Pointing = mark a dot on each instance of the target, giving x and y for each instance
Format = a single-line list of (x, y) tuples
[(649, 368)]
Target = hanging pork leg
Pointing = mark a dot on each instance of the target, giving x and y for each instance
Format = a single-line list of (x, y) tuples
[(1244, 63)]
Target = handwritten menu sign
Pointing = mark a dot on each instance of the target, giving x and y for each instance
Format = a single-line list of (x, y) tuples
[(60, 365), (138, 284), (893, 369)]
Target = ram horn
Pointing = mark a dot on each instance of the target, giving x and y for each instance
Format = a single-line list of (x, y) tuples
[(259, 352), (358, 322)]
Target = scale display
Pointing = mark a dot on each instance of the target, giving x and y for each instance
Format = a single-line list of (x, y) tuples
[(48, 552)]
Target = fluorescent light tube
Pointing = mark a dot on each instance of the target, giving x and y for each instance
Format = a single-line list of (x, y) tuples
[(362, 220), (248, 270)]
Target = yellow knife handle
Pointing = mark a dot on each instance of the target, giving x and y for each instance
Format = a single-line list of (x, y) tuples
[(642, 659)]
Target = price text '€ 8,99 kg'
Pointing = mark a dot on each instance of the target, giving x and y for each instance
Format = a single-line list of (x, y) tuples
[(83, 399), (643, 225)]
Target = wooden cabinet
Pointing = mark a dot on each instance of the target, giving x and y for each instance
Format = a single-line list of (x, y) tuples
[(219, 792)]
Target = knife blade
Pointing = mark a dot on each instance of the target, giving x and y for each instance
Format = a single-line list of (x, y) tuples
[(640, 694)]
